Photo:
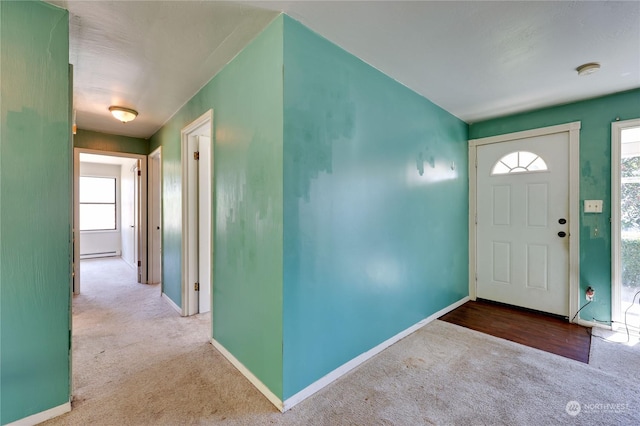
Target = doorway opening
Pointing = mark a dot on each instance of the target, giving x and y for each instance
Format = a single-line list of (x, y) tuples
[(625, 206), (110, 210), (197, 194)]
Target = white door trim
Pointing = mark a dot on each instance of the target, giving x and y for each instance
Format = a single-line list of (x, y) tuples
[(616, 238), (142, 250), (189, 304), (574, 203)]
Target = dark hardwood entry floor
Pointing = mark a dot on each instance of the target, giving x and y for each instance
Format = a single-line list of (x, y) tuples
[(535, 329)]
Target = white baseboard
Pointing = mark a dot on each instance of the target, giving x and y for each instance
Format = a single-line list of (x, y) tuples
[(350, 365), (335, 374), (172, 303), (43, 415), (249, 375), (131, 265), (586, 323), (99, 255)]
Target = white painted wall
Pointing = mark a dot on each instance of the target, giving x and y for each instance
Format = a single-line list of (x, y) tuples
[(102, 241), (127, 180)]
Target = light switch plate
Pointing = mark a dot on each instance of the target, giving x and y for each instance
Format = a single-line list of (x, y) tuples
[(593, 206)]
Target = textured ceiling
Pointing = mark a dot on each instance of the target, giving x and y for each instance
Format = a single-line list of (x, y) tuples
[(475, 59), (480, 59), (151, 56)]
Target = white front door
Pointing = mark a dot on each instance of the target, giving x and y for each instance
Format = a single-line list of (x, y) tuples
[(522, 191)]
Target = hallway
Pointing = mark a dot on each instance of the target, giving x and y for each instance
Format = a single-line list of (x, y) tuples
[(136, 361), (122, 328)]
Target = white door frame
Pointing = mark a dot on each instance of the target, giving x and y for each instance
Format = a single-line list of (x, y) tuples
[(142, 250), (574, 203), (155, 215), (189, 194), (616, 238)]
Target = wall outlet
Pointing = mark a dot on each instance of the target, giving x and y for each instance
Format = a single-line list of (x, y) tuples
[(590, 294), (593, 206)]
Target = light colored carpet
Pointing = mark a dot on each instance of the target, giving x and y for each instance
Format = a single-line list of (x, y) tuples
[(616, 354), (136, 362)]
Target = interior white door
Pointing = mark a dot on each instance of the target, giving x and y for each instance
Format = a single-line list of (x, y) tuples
[(523, 223), (192, 266), (155, 215), (128, 212), (197, 247), (204, 223), (137, 219)]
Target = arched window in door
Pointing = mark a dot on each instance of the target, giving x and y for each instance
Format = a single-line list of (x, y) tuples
[(519, 162)]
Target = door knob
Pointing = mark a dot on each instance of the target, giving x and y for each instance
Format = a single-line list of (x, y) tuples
[(562, 234), (562, 221)]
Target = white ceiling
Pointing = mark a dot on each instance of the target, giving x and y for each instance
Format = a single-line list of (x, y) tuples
[(151, 56), (475, 59)]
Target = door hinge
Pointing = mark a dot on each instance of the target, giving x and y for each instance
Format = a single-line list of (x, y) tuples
[(139, 173), (139, 263), (196, 155), (196, 286)]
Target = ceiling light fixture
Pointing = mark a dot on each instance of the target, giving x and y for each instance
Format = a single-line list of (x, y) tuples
[(589, 68), (123, 114)]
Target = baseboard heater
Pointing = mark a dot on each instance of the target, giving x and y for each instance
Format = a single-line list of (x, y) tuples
[(101, 254)]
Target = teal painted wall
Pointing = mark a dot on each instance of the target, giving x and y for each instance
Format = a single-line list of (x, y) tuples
[(246, 97), (376, 222), (35, 176), (596, 116), (106, 142)]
